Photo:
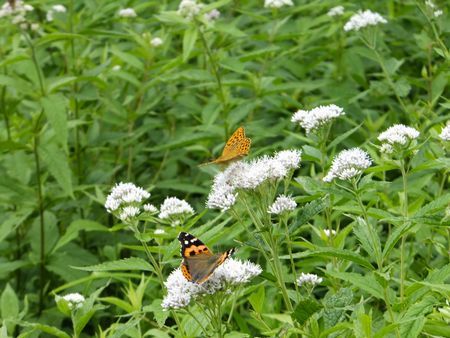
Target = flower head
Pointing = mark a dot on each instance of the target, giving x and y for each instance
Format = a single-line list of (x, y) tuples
[(277, 3), (313, 119), (230, 274), (74, 300), (189, 8), (159, 232), (156, 42), (363, 19), (249, 176), (213, 15), (282, 204), (329, 233), (398, 135), (125, 201), (445, 133), (174, 207), (150, 208), (17, 12), (309, 279), (347, 164), (336, 11), (127, 13)]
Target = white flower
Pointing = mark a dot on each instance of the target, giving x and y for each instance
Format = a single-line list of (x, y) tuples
[(20, 9), (232, 272), (34, 26), (159, 232), (189, 8), (289, 158), (213, 15), (173, 206), (438, 13), (124, 193), (129, 212), (336, 11), (327, 232), (277, 3), (363, 19), (309, 278), (127, 13), (59, 8), (249, 176), (317, 117), (398, 134), (445, 133), (116, 68), (74, 300), (150, 208), (387, 148), (282, 204), (156, 42), (221, 197), (347, 164)]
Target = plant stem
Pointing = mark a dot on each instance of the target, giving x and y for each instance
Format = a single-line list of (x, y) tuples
[(405, 214), (288, 241), (215, 70)]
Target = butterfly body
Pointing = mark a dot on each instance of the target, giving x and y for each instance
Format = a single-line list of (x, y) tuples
[(237, 146), (198, 261)]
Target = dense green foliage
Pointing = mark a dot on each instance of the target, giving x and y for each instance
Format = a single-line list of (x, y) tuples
[(90, 99)]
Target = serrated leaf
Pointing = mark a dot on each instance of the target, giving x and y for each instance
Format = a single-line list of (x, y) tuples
[(55, 110), (9, 304), (133, 263), (257, 298), (413, 319), (340, 138), (368, 238), (395, 236), (58, 166), (305, 309), (309, 211)]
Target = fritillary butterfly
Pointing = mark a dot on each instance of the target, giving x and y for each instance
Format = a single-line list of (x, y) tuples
[(238, 145)]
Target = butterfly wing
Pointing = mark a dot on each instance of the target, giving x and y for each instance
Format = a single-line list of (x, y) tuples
[(238, 145), (198, 261)]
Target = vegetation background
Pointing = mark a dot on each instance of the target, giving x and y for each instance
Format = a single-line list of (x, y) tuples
[(89, 99)]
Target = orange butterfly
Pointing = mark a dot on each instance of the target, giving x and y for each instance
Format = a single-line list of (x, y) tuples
[(238, 145)]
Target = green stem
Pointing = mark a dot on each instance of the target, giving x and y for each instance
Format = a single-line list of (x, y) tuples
[(41, 223), (289, 245), (403, 242), (216, 73)]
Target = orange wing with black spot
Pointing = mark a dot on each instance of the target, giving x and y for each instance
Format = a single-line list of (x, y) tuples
[(198, 261), (237, 146)]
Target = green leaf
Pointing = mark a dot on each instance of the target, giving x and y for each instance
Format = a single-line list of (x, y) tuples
[(58, 166), (133, 263), (257, 298), (47, 329), (309, 211), (159, 313), (189, 39), (75, 227), (395, 236), (413, 319), (366, 283), (55, 110), (342, 137), (368, 237), (335, 306), (9, 305), (333, 252), (305, 309)]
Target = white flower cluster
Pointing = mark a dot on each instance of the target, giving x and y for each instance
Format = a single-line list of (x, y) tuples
[(317, 117), (277, 3), (127, 13), (150, 208), (309, 278), (18, 13), (347, 164), (250, 175), (363, 19), (189, 8), (445, 133), (397, 135), (282, 204), (125, 200), (156, 42), (55, 9), (232, 272), (74, 300), (174, 207), (336, 11)]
